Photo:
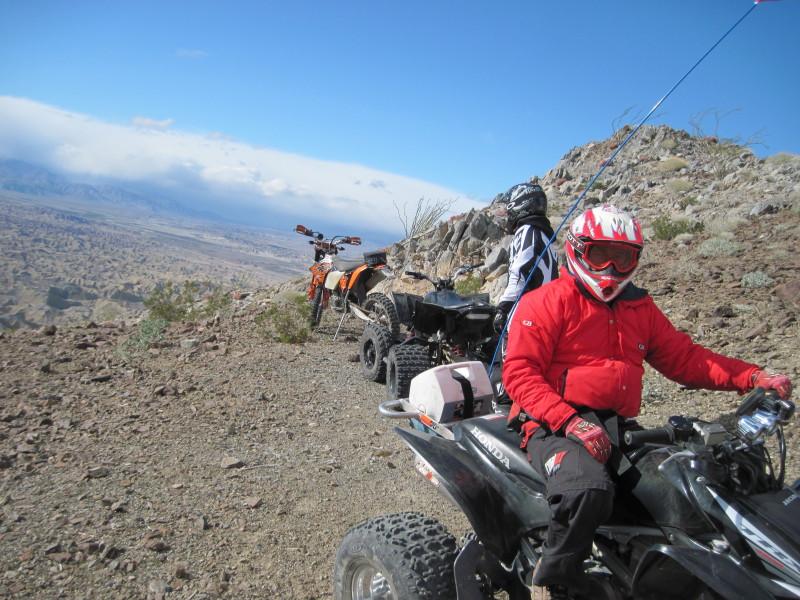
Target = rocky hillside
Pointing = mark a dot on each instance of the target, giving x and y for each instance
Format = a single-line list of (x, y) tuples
[(663, 175), (210, 462)]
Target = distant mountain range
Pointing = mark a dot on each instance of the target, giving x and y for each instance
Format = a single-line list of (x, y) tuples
[(26, 178)]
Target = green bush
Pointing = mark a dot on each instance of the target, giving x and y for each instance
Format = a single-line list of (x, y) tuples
[(719, 247), (471, 284), (672, 164), (687, 201), (187, 302), (756, 279), (666, 229), (287, 319), (677, 186), (669, 144), (148, 332)]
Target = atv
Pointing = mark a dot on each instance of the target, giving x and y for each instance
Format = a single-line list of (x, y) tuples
[(701, 509), (443, 327)]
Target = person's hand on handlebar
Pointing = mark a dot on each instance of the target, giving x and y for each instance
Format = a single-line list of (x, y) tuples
[(773, 381)]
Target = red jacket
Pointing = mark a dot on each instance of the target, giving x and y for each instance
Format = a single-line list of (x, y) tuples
[(566, 349)]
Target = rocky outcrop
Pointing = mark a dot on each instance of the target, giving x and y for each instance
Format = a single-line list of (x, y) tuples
[(662, 173)]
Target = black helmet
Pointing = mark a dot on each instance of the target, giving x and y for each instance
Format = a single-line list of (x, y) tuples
[(522, 201)]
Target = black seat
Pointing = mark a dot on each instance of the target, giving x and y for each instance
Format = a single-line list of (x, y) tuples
[(341, 264), (449, 299)]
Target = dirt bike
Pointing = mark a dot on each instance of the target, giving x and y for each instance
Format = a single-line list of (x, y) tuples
[(345, 285), (445, 327), (701, 510)]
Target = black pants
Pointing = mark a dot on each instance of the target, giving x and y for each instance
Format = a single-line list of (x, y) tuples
[(580, 493)]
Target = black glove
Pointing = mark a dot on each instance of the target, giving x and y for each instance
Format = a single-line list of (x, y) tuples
[(500, 321)]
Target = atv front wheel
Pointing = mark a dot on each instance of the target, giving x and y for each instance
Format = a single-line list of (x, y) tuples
[(316, 306), (403, 364), (405, 556), (384, 310), (373, 348)]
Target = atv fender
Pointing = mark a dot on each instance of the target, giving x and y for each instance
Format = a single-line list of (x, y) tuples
[(663, 568), (458, 476)]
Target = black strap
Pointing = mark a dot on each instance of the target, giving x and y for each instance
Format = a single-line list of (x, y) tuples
[(469, 397)]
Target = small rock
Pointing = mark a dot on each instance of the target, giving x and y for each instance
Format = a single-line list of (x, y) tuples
[(200, 523), (156, 545), (100, 378), (98, 472), (353, 358), (48, 330), (189, 343), (252, 502), (157, 589), (230, 462), (181, 571)]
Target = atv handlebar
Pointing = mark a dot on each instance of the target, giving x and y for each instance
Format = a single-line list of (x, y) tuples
[(659, 435)]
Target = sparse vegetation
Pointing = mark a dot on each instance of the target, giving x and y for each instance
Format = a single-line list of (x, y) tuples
[(149, 331), (672, 164), (186, 302), (719, 247), (666, 228), (687, 201), (669, 144), (471, 284), (782, 158), (677, 186), (756, 279), (426, 215), (287, 319)]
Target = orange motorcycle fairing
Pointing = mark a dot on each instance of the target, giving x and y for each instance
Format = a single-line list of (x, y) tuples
[(352, 279), (318, 272)]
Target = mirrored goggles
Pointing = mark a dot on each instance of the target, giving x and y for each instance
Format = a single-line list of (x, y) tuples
[(600, 255)]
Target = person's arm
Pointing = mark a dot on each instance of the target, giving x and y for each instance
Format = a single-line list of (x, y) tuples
[(676, 356), (532, 339)]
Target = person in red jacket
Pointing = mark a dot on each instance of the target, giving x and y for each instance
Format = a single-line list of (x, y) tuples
[(576, 349)]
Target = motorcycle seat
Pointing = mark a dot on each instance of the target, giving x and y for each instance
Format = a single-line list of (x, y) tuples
[(341, 264), (502, 445), (450, 299)]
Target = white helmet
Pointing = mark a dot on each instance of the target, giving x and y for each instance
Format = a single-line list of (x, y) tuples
[(603, 248)]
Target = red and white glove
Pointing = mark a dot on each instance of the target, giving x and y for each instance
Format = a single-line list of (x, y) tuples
[(591, 436), (773, 381)]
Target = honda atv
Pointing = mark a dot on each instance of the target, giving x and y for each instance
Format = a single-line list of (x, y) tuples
[(701, 512), (445, 327), (345, 285)]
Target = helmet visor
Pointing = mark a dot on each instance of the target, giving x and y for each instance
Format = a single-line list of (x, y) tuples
[(599, 256)]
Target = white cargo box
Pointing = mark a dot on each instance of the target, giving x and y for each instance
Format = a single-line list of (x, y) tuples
[(438, 394)]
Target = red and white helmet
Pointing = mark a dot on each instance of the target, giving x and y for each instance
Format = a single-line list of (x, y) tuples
[(603, 248)]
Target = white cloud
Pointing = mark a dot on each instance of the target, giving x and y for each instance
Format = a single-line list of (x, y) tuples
[(148, 123), (191, 54), (230, 172)]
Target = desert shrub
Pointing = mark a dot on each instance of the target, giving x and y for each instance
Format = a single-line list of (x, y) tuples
[(725, 225), (665, 228), (781, 158), (677, 186), (687, 201), (719, 247), (287, 319), (672, 164), (469, 285), (669, 144), (148, 332), (756, 279), (186, 302)]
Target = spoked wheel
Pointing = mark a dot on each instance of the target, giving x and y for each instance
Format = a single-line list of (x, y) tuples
[(405, 556), (403, 364), (373, 349), (384, 311), (316, 306)]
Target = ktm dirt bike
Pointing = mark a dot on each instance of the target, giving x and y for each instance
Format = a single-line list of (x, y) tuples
[(701, 510), (345, 285)]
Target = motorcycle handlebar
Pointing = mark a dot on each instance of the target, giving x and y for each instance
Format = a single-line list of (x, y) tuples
[(660, 435)]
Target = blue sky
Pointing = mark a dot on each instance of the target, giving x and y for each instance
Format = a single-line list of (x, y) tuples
[(470, 97)]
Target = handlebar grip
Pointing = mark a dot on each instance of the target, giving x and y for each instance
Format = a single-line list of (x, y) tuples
[(660, 435)]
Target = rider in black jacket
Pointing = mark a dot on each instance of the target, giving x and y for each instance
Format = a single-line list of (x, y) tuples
[(526, 209)]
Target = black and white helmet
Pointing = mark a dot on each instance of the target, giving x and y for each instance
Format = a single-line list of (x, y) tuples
[(524, 200)]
